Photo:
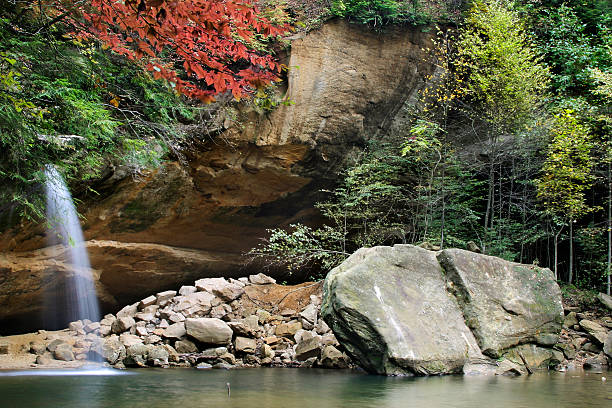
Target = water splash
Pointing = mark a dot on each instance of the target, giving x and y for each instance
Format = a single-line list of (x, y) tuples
[(66, 237)]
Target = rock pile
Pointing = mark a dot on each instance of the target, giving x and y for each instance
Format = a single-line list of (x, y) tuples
[(215, 323)]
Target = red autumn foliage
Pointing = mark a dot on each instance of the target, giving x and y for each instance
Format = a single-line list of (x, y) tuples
[(200, 46)]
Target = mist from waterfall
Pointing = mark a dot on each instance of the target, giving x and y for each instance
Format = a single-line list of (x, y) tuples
[(65, 239)]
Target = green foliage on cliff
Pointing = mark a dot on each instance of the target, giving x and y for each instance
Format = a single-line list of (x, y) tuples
[(74, 105), (378, 13)]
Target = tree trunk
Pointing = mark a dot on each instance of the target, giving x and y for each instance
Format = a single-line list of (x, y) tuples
[(571, 252), (609, 224)]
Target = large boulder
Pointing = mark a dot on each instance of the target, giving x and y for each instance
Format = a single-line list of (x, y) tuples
[(406, 310), (504, 303), (209, 330), (389, 308)]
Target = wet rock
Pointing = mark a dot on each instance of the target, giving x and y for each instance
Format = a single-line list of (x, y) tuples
[(388, 305), (261, 279), (122, 324), (92, 327), (220, 287), (223, 366), (175, 331), (136, 355), (504, 303), (204, 366), (590, 347), (63, 352), (209, 330), (607, 348), (76, 325), (531, 355), (157, 356), (605, 300), (245, 345), (288, 329), (595, 330), (507, 367), (331, 357), (307, 348), (568, 350), (185, 346), (54, 344), (112, 350)]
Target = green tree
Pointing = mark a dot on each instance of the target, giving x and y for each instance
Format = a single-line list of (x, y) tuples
[(566, 175)]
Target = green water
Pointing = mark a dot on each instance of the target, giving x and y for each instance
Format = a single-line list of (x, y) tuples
[(287, 388)]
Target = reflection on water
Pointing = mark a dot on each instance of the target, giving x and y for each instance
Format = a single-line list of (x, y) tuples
[(287, 388)]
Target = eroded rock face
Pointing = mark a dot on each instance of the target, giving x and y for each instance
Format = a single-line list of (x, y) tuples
[(404, 310), (389, 308), (504, 303), (179, 223)]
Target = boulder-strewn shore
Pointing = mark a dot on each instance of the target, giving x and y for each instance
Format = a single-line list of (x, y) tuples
[(216, 323)]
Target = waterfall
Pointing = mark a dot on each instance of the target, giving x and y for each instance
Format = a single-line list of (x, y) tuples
[(65, 236)]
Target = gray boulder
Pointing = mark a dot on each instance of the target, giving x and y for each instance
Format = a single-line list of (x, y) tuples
[(112, 350), (504, 303), (607, 348), (245, 345), (122, 323), (596, 331), (331, 357), (605, 300), (209, 330), (175, 331), (389, 308)]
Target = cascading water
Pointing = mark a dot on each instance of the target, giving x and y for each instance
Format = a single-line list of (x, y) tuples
[(66, 237)]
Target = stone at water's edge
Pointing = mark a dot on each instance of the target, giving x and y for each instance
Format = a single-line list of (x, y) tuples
[(209, 330), (389, 308), (403, 310), (504, 303)]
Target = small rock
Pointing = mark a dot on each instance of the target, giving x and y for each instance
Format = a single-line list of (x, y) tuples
[(149, 301), (209, 330), (145, 317), (321, 327), (595, 330), (261, 279), (220, 287), (129, 340), (175, 331), (54, 344), (136, 355), (63, 352), (605, 300), (267, 352), (157, 356), (35, 348), (590, 347), (288, 329), (43, 359), (76, 325), (152, 339), (307, 348), (128, 311), (245, 345), (92, 327), (570, 320), (331, 357), (471, 246), (287, 312), (223, 366), (204, 366), (141, 331), (263, 316), (122, 324), (105, 330), (185, 346), (163, 298), (112, 350), (507, 367)]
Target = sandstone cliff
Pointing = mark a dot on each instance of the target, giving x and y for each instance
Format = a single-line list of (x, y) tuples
[(177, 223)]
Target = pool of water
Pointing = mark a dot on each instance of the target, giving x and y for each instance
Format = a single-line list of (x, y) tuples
[(288, 388)]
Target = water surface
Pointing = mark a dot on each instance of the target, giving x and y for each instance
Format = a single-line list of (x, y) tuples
[(289, 388)]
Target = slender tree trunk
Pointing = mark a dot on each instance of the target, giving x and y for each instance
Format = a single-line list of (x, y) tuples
[(488, 209), (571, 251), (609, 224)]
